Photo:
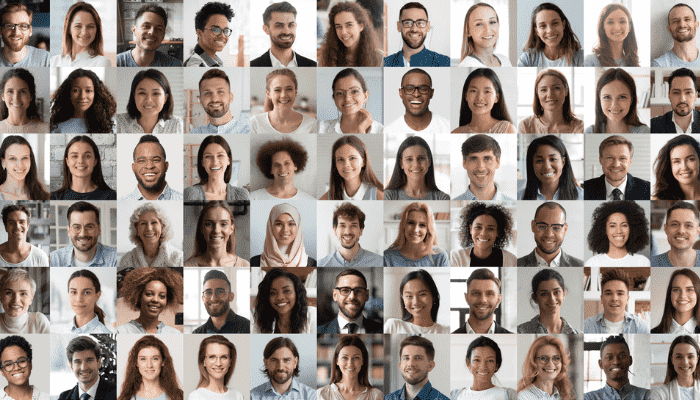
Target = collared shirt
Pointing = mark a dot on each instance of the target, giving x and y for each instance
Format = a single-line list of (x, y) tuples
[(424, 58), (492, 328), (91, 392), (690, 125), (105, 256), (427, 393), (126, 124), (627, 392), (297, 391), (534, 326), (126, 59), (630, 324), (541, 262), (688, 327), (235, 125), (200, 58), (167, 194), (278, 64), (234, 324), (609, 189), (343, 322), (363, 258), (94, 326), (36, 394), (662, 260), (540, 196), (499, 196), (532, 392)]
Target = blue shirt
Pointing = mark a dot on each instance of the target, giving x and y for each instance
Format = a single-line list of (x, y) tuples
[(427, 393), (125, 59), (540, 196), (168, 194), (105, 256), (233, 126), (630, 324), (662, 260), (670, 59), (363, 258), (34, 58), (297, 391), (468, 195), (394, 258), (94, 326), (627, 392), (424, 58)]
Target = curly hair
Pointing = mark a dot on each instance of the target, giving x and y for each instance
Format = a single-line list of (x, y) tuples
[(98, 117), (28, 78), (612, 75), (667, 186), (566, 108), (95, 48), (200, 242), (398, 176), (602, 50), (468, 47), (18, 341), (425, 277), (531, 367), (334, 52), (201, 171), (483, 341), (136, 280), (209, 9), (96, 177), (264, 315), (504, 221), (638, 226), (349, 212), (336, 188), (165, 232), (568, 45), (232, 355), (85, 273), (671, 373), (267, 151), (35, 188), (167, 111), (269, 105), (168, 378), (499, 110), (356, 341), (430, 241), (567, 187), (667, 317)]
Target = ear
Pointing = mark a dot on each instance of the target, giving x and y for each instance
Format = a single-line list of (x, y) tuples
[(99, 294), (500, 296), (231, 296), (533, 226), (498, 162), (398, 26), (266, 29), (199, 34), (166, 165), (464, 163), (600, 364), (431, 365), (566, 228)]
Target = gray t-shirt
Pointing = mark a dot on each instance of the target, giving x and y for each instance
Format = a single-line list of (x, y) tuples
[(125, 59), (34, 58)]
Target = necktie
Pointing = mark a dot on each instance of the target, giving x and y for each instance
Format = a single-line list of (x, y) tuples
[(84, 396), (352, 327), (617, 194)]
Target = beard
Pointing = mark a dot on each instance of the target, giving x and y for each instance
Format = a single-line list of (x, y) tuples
[(409, 42), (217, 114), (416, 380), (211, 310), (282, 44), (159, 185)]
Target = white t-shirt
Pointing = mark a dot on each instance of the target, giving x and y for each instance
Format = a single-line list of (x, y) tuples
[(394, 325), (603, 260), (206, 394), (438, 124), (261, 124), (614, 327)]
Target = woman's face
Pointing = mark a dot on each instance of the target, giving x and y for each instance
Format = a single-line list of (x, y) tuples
[(282, 92), (415, 162), (617, 229), (684, 359), (149, 97), (550, 297), (82, 94), (417, 298), (17, 296), (81, 160), (350, 361), (82, 296), (551, 92), (283, 297), (683, 296), (616, 26), (154, 299), (550, 28), (481, 95), (284, 229), (149, 228), (17, 161), (484, 231), (548, 359), (483, 27), (416, 227), (16, 96), (349, 162), (283, 168), (16, 376), (348, 29), (217, 228), (548, 164), (483, 363), (217, 360), (615, 100), (349, 96), (215, 161), (684, 164), (149, 362), (83, 29)]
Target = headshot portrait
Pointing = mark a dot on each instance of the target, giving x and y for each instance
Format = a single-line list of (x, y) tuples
[(412, 300), (350, 34), (346, 360), (89, 359), (283, 234), (675, 181), (217, 300), (622, 361), (293, 358), (350, 160), (18, 283), (618, 234), (25, 240), (550, 300), (218, 109), (412, 238), (353, 302), (222, 365), (674, 47), (681, 372), (553, 166), (417, 88), (620, 33), (420, 35), (221, 235), (350, 237), (136, 24), (484, 86), (80, 33), (362, 112), (556, 106), (487, 305), (82, 174), (31, 86), (423, 353), (83, 300), (283, 100), (411, 169), (674, 233), (680, 93), (149, 177), (163, 352), (618, 108), (479, 25), (83, 113), (489, 167), (481, 363), (25, 172), (485, 235), (218, 47), (562, 353), (286, 167), (283, 300), (20, 54), (674, 307)]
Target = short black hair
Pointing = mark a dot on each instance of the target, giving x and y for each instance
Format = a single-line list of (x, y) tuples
[(680, 72), (82, 343), (550, 205), (281, 7), (676, 6), (413, 4), (216, 274), (209, 9), (483, 341), (148, 138), (613, 340), (18, 341), (12, 208), (155, 9), (679, 205), (83, 206), (479, 143), (416, 71)]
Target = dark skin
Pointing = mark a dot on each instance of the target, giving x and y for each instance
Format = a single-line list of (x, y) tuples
[(615, 361)]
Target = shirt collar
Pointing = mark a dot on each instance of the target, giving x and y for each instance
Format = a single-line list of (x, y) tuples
[(407, 63), (610, 391), (498, 196), (690, 125), (164, 195), (211, 62), (294, 386), (342, 321), (223, 128), (609, 188), (358, 256), (97, 260), (421, 395), (92, 391), (601, 317), (688, 327), (278, 64), (492, 328), (541, 261)]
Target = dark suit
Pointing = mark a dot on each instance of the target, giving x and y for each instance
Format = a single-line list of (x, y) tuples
[(105, 391), (497, 329), (635, 189), (265, 61), (664, 123), (370, 326), (566, 260)]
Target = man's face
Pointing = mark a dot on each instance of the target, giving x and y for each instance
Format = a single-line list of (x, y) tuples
[(415, 365), (549, 238), (149, 165), (281, 365), (216, 97), (483, 296), (351, 306), (682, 95), (207, 40), (616, 160), (481, 167), (615, 362), (17, 225), (282, 29), (682, 24), (16, 38), (86, 367), (416, 103), (84, 230), (348, 232), (149, 31), (414, 36), (681, 229), (615, 297), (217, 306)]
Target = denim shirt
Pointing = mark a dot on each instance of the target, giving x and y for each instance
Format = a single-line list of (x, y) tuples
[(297, 391), (627, 392), (630, 324), (105, 256), (94, 326)]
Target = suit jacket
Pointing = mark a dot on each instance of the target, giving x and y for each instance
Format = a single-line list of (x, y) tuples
[(370, 326), (105, 391), (265, 61), (664, 123), (530, 260), (636, 189), (497, 329)]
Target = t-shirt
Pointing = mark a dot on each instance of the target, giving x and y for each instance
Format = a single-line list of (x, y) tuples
[(125, 59), (34, 58), (438, 124)]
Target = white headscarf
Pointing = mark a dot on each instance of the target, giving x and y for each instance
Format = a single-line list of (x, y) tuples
[(272, 256)]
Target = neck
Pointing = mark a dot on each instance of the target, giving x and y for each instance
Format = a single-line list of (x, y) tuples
[(617, 252), (349, 254), (150, 325), (552, 117), (545, 386), (82, 184), (151, 249), (217, 255), (284, 322), (485, 55), (16, 245), (216, 385), (85, 256), (683, 122), (285, 56), (413, 390), (14, 56), (412, 252), (11, 185), (617, 385), (281, 388), (19, 391), (350, 123), (482, 122), (217, 186), (549, 190), (615, 183), (17, 118), (418, 122), (79, 114), (223, 120), (151, 386), (616, 50), (614, 317), (142, 57), (480, 326), (481, 252), (686, 380), (89, 385), (552, 53), (349, 383), (552, 322), (616, 127), (682, 257), (83, 319), (691, 191), (281, 114), (686, 51), (152, 194), (351, 187), (408, 52), (75, 51), (211, 53), (221, 319), (483, 193), (482, 384), (148, 123), (423, 320), (415, 187), (682, 318)]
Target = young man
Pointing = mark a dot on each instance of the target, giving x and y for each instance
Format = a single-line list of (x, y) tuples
[(84, 231), (85, 360), (615, 156), (281, 359), (279, 23), (615, 361), (682, 25), (615, 296), (216, 296), (17, 252), (481, 157), (414, 26), (416, 360), (348, 225), (216, 97), (211, 23), (149, 31), (682, 93), (149, 168), (416, 91), (483, 296), (351, 294), (16, 29), (682, 227), (549, 228)]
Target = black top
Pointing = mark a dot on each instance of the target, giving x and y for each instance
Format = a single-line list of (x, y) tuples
[(495, 259), (255, 262), (234, 324), (105, 391), (97, 194)]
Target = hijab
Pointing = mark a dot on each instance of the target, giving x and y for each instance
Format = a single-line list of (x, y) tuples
[(272, 256)]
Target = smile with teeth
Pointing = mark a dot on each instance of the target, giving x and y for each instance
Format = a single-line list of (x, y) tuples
[(548, 175), (215, 168), (282, 304), (487, 37), (550, 370), (416, 102)]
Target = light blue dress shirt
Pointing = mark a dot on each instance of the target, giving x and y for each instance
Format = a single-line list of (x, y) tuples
[(540, 196), (94, 326), (297, 391), (630, 324), (498, 197), (168, 194), (627, 392), (105, 256)]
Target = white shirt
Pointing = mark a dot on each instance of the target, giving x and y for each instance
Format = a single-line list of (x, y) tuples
[(491, 331), (360, 192), (91, 392), (542, 263), (609, 189), (342, 322), (614, 327), (688, 327), (690, 125), (438, 124), (278, 64)]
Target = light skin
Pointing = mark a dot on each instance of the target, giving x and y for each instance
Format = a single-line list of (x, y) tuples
[(283, 298), (284, 230), (550, 297), (415, 232), (207, 40), (216, 97), (483, 365), (149, 167), (415, 164), (682, 94), (348, 31), (681, 229), (617, 27), (81, 162), (83, 296), (17, 98), (617, 229), (282, 30), (280, 368), (350, 99), (16, 163), (684, 358), (615, 297), (149, 229), (16, 249), (217, 228), (615, 361), (683, 299), (547, 372), (548, 164), (17, 378), (418, 114), (685, 167), (149, 32), (150, 98), (17, 296), (348, 232), (415, 365), (149, 362), (616, 101), (217, 307), (483, 297), (481, 96), (418, 300), (154, 299), (350, 306), (350, 362), (481, 168), (349, 164), (283, 171), (615, 161), (15, 40), (482, 28), (682, 26), (414, 36), (217, 361), (86, 367), (282, 93), (82, 94), (215, 161), (83, 30), (552, 92), (550, 29)]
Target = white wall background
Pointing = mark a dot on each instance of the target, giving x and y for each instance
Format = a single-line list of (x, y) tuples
[(374, 145), (508, 78), (239, 24), (575, 236), (640, 167), (240, 380), (571, 9), (639, 9), (371, 236), (658, 17), (460, 375), (438, 378), (305, 42), (590, 206), (306, 79), (326, 107), (260, 214), (306, 346), (125, 342), (458, 12), (440, 103), (392, 287), (240, 87)]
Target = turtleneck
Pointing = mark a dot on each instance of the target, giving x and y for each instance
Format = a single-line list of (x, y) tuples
[(15, 324)]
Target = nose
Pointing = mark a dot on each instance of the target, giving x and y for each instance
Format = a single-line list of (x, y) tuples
[(351, 295), (15, 297)]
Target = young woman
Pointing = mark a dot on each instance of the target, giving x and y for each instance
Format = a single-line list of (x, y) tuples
[(350, 40), (82, 39), (548, 294), (552, 106), (82, 104), (19, 177), (681, 311), (18, 110), (150, 291), (677, 170), (350, 95), (217, 361), (215, 238), (279, 117), (485, 229), (18, 289), (84, 291), (149, 230), (617, 42), (481, 27), (413, 177), (552, 42), (616, 104), (150, 372), (483, 108), (214, 170), (281, 305), (284, 240), (82, 173), (416, 244), (682, 375), (620, 230), (16, 362), (420, 302), (352, 177), (549, 172), (350, 373), (150, 108), (280, 160), (483, 361), (546, 371)]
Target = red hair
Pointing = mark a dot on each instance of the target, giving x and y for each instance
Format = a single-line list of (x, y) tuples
[(531, 367)]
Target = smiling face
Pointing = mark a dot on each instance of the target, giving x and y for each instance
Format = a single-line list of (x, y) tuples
[(616, 26), (217, 361), (83, 30), (482, 364), (685, 165), (483, 297), (207, 40), (350, 361), (82, 94), (483, 27), (416, 103), (349, 162), (150, 97), (681, 229), (615, 361), (282, 92), (615, 297), (81, 160), (149, 362), (149, 31), (84, 230), (415, 365), (17, 296), (16, 96), (86, 367), (551, 92), (216, 97), (683, 296), (550, 28), (348, 29), (414, 36), (17, 225), (682, 24), (481, 95), (17, 376), (549, 297), (283, 168), (215, 161), (416, 227), (154, 299), (349, 96), (615, 100), (17, 161), (682, 95), (149, 166), (82, 296), (481, 168), (284, 230), (484, 231), (149, 228), (217, 228), (616, 160), (548, 164), (217, 306), (348, 232), (684, 359), (283, 296), (281, 365), (415, 162), (552, 368), (16, 38), (417, 299), (350, 306), (282, 29), (617, 229)]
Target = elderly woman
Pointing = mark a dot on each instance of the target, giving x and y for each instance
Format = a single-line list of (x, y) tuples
[(214, 160), (17, 252), (485, 229), (150, 372), (682, 376), (16, 367), (217, 361), (149, 230), (215, 238), (284, 240), (546, 371), (18, 290), (280, 160), (281, 305), (548, 294), (350, 373), (420, 302), (483, 361), (416, 243), (18, 110), (150, 291)]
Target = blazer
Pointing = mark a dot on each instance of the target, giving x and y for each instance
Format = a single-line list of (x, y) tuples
[(664, 123), (105, 391), (265, 61), (497, 329), (530, 260), (636, 189), (370, 326)]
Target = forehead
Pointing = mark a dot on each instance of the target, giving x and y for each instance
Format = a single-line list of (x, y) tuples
[(215, 82), (148, 216), (351, 281), (413, 13), (546, 16), (682, 82), (147, 149), (12, 352), (218, 213), (619, 13), (551, 284), (483, 351), (281, 282), (16, 82), (481, 154), (149, 352), (347, 82), (149, 84), (285, 218), (481, 81), (278, 16), (80, 147), (412, 350), (217, 348), (83, 355), (156, 286), (615, 348), (416, 79), (414, 150), (16, 17), (216, 284), (18, 215), (282, 352), (18, 285), (615, 285), (485, 219), (616, 149), (348, 220), (680, 12), (681, 280), (83, 17), (683, 215), (550, 215), (17, 149), (684, 348), (548, 349), (82, 81), (281, 156), (616, 86), (81, 282), (151, 18), (417, 215), (483, 284), (415, 285), (217, 19), (550, 80), (350, 350), (482, 12), (214, 148)]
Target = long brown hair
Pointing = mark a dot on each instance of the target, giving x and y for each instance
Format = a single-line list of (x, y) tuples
[(530, 367), (96, 177), (671, 373), (333, 51), (667, 317), (569, 44), (200, 242), (95, 48), (363, 375), (203, 374), (168, 378), (337, 183), (35, 188), (84, 273), (629, 46)]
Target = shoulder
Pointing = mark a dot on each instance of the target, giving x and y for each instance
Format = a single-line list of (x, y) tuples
[(509, 259), (164, 60), (255, 261), (39, 257), (236, 193), (391, 194), (195, 61), (441, 257), (663, 61), (265, 61), (303, 61), (473, 62), (578, 58), (661, 392), (571, 260), (394, 325), (591, 61), (391, 60), (38, 323), (528, 59), (195, 192), (67, 394), (440, 195)]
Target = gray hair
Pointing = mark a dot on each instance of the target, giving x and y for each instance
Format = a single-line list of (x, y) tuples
[(134, 219), (15, 275)]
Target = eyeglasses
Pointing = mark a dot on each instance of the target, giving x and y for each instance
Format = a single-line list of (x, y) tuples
[(10, 365), (408, 23), (217, 31), (22, 27), (545, 359), (542, 227), (422, 89), (220, 293), (345, 291), (88, 228)]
